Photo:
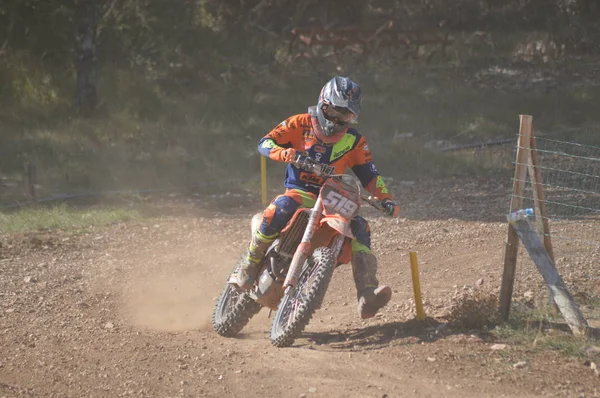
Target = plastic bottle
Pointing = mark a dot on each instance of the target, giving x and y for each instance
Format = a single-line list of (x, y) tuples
[(519, 215)]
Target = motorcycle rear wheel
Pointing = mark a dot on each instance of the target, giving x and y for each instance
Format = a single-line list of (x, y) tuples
[(296, 309), (233, 311)]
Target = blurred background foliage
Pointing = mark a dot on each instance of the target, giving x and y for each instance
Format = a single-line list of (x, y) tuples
[(179, 92)]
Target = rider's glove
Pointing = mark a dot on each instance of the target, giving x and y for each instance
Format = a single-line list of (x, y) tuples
[(288, 155), (280, 154), (391, 208)]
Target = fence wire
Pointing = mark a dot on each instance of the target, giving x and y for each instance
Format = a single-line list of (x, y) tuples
[(570, 178), (571, 185)]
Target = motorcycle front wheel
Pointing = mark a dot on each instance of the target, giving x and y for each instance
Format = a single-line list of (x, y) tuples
[(233, 311), (297, 307)]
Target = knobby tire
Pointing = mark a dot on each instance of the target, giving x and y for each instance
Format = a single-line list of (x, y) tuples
[(314, 279), (229, 318)]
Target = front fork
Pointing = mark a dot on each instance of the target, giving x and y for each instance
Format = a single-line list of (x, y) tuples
[(337, 244), (304, 248)]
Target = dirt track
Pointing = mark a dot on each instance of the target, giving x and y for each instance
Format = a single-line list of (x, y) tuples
[(125, 310)]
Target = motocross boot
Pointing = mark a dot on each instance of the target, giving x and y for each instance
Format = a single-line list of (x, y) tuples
[(371, 296), (250, 264)]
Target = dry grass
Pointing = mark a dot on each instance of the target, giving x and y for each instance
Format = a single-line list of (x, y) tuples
[(170, 140), (474, 309), (61, 217), (528, 327)]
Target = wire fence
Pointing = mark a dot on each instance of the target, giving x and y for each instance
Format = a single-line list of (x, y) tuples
[(571, 184), (570, 179)]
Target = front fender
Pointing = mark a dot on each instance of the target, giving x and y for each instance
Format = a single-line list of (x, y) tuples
[(338, 223)]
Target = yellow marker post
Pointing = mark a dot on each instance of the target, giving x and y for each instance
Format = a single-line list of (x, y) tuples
[(263, 179), (414, 269)]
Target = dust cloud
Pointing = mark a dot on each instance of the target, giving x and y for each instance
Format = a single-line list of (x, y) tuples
[(180, 295)]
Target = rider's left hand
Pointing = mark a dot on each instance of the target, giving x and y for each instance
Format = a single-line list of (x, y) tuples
[(391, 208), (288, 155)]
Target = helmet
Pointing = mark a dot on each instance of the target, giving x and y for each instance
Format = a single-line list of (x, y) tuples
[(337, 107)]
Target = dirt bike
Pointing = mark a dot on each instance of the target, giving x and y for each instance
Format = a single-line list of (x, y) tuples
[(296, 270)]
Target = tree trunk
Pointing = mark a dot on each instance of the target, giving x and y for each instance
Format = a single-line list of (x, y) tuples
[(86, 97)]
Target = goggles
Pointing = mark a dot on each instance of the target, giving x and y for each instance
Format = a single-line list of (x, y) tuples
[(338, 114)]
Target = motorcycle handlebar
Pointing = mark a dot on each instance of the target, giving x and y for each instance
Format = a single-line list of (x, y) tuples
[(373, 201), (323, 170)]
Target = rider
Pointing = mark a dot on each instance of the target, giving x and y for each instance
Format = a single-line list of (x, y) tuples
[(323, 134)]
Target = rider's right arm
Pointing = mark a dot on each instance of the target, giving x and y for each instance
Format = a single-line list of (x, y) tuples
[(282, 137)]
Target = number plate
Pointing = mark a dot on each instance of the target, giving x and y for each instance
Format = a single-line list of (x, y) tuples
[(338, 200)]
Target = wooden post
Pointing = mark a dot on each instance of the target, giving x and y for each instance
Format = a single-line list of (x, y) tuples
[(541, 215), (512, 241), (558, 291), (263, 179), (536, 189), (414, 271), (543, 227), (31, 179)]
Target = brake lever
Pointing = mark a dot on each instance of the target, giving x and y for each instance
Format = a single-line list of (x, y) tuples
[(374, 201)]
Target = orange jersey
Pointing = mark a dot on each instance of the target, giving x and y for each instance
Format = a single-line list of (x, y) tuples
[(351, 151)]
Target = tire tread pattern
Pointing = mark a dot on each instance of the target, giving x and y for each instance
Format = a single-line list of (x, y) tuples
[(231, 323), (323, 259)]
